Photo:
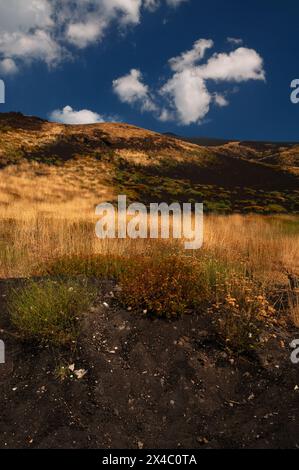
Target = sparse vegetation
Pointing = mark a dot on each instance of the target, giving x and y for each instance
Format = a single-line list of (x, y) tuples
[(164, 286), (98, 266), (49, 311), (90, 358), (148, 184), (50, 232), (241, 311), (68, 248)]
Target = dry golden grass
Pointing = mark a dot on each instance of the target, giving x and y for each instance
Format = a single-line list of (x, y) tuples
[(31, 188), (240, 274), (268, 246), (30, 235), (294, 308), (53, 177)]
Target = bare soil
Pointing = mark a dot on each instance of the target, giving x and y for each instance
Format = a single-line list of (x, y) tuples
[(149, 384)]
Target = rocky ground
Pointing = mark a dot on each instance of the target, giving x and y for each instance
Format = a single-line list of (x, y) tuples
[(139, 383)]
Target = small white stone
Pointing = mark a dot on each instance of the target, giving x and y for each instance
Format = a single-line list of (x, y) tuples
[(80, 373)]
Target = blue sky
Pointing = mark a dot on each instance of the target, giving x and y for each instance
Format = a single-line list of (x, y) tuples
[(98, 62)]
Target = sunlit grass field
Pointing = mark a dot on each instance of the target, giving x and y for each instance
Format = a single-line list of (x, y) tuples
[(245, 273), (267, 246)]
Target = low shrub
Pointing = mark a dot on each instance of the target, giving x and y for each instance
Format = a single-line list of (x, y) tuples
[(253, 209), (49, 311), (163, 286), (275, 209), (241, 312)]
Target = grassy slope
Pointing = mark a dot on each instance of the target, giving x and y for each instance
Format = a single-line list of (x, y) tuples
[(97, 162)]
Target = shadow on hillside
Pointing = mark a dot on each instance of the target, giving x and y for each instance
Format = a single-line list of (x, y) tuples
[(231, 172)]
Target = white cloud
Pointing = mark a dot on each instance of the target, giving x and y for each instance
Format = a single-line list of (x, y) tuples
[(190, 58), (36, 45), (152, 5), (8, 67), (69, 116), (220, 100), (87, 23), (20, 16), (185, 97), (44, 29), (175, 3), (83, 34), (26, 32), (131, 89), (189, 96), (166, 115), (240, 65), (235, 41)]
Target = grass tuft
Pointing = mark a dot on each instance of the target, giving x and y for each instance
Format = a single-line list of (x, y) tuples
[(49, 311)]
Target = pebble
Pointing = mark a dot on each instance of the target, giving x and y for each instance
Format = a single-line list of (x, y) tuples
[(80, 373)]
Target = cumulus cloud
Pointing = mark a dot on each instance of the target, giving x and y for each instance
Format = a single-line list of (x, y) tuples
[(189, 96), (239, 66), (131, 89), (190, 58), (185, 96), (83, 34), (46, 30), (20, 16), (25, 32), (91, 18), (36, 45), (68, 115)]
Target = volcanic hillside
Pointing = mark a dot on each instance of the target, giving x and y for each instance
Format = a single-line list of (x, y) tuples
[(46, 163)]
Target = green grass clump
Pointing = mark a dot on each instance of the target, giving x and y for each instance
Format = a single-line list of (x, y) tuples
[(49, 311)]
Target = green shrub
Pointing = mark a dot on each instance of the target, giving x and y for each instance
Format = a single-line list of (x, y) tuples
[(275, 209), (49, 311), (217, 206), (254, 209)]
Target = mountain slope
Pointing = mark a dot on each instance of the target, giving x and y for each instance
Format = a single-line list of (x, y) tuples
[(46, 163), (283, 154)]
